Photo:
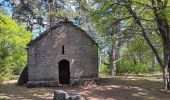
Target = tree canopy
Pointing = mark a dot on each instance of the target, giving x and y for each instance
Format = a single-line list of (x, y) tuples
[(13, 40)]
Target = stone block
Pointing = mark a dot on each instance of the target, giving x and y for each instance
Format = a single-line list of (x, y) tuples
[(73, 95), (59, 95)]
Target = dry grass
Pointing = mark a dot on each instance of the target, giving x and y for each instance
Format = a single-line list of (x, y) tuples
[(143, 87)]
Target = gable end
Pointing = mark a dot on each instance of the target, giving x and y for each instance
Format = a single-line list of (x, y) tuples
[(58, 25)]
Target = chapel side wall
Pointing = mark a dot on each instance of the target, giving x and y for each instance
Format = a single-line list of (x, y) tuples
[(41, 58), (31, 64)]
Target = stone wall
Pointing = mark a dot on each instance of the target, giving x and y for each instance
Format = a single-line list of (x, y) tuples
[(79, 50)]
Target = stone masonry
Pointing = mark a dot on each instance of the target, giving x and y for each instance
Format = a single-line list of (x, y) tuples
[(62, 42)]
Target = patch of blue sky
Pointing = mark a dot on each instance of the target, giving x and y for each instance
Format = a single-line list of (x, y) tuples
[(7, 6), (37, 32)]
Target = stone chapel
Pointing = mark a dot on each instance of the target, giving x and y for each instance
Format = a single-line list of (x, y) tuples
[(63, 54)]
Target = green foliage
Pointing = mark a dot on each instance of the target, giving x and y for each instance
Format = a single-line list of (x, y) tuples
[(105, 69), (134, 53), (13, 40), (136, 57), (127, 66)]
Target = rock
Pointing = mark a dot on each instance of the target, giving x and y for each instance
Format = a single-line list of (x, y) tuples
[(70, 95), (73, 95), (59, 95)]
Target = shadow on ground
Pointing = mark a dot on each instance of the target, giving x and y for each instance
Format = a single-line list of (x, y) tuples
[(118, 88)]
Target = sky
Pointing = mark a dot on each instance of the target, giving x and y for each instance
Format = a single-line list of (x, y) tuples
[(35, 32), (7, 7)]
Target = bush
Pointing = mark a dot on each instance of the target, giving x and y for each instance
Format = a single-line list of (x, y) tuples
[(127, 66), (5, 68), (105, 69)]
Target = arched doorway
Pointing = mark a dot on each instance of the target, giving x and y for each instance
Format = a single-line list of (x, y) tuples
[(64, 72)]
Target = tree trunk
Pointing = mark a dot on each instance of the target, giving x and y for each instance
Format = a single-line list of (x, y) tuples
[(169, 73), (115, 48), (113, 59), (153, 63), (166, 65), (100, 59), (165, 77), (134, 61)]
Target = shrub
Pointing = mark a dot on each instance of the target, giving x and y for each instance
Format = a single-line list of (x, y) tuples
[(105, 69)]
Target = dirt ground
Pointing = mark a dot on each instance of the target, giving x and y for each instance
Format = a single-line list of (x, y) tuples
[(143, 87)]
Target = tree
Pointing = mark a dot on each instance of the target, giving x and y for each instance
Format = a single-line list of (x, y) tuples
[(146, 17), (158, 8), (13, 40), (137, 57), (109, 27), (36, 14)]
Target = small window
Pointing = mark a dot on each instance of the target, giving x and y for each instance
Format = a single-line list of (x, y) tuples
[(62, 49)]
